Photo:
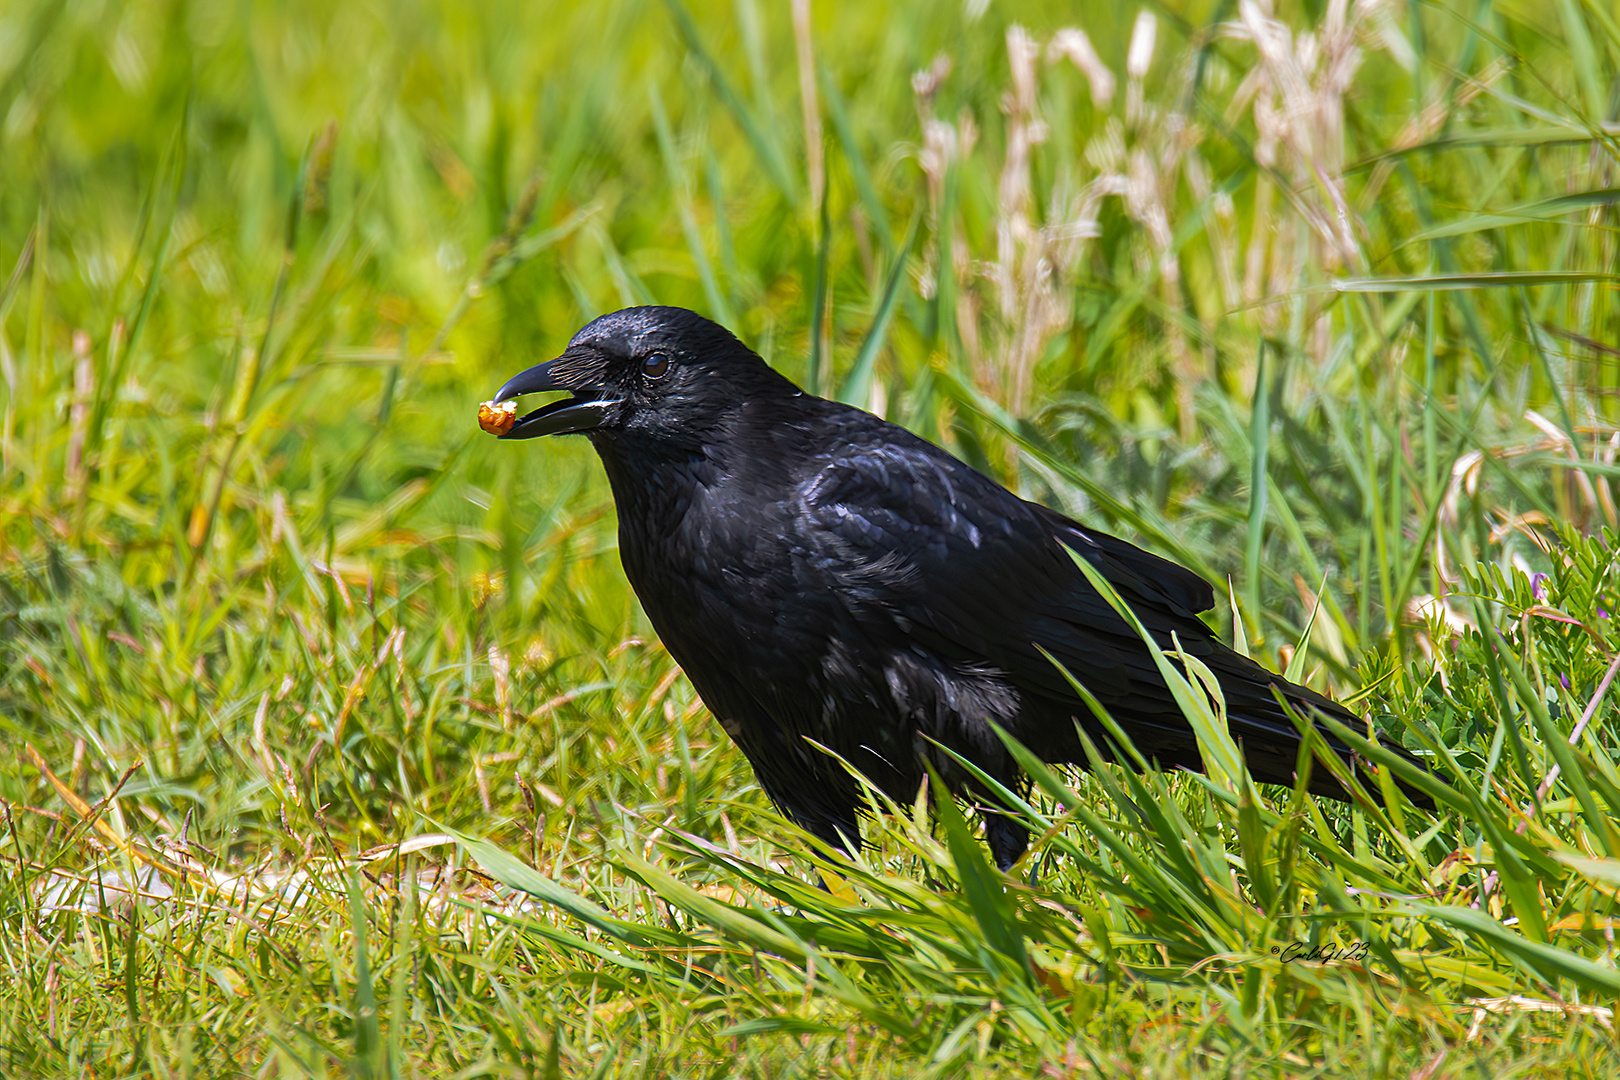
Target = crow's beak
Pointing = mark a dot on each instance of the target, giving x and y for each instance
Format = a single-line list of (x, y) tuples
[(582, 412)]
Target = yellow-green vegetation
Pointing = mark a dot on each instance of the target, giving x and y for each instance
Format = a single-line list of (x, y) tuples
[(334, 741)]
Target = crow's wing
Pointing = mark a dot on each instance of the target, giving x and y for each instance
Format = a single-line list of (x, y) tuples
[(929, 553), (978, 575), (1128, 567)]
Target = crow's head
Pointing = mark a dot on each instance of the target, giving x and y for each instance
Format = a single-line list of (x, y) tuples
[(660, 372)]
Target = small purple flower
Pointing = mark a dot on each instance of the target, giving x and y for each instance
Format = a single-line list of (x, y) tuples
[(1564, 681), (1538, 587)]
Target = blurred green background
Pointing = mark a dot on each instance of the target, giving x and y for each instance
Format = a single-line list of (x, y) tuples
[(1316, 298)]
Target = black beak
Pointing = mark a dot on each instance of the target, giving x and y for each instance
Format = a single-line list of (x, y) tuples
[(582, 412)]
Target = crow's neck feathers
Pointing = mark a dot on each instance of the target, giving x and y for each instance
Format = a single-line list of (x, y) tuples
[(664, 462)]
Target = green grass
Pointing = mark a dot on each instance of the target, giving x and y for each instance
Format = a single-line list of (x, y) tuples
[(360, 701)]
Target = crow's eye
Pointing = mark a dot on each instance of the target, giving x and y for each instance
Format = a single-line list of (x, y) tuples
[(655, 365)]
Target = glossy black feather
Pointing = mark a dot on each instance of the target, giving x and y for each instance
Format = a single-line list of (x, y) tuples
[(825, 577)]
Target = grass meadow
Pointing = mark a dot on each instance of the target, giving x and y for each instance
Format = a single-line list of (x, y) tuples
[(335, 744)]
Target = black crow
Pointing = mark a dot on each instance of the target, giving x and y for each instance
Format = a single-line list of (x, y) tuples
[(826, 577)]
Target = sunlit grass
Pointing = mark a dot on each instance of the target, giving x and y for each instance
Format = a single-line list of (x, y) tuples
[(341, 746)]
